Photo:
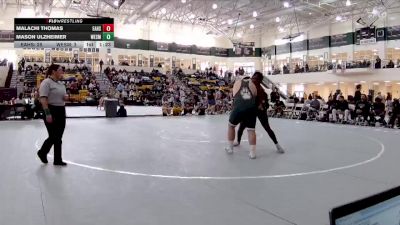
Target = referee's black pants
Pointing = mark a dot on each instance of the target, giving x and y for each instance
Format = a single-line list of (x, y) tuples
[(56, 131), (263, 118)]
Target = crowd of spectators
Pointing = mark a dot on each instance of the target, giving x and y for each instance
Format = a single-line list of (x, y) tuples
[(276, 70), (201, 93), (76, 78), (136, 88), (359, 109)]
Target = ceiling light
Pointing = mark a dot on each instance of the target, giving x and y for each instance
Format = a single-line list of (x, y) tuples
[(341, 82), (286, 4), (397, 83), (281, 29), (334, 84), (163, 10), (183, 1), (277, 19), (387, 81), (192, 16), (363, 82), (375, 12), (214, 6), (223, 22), (376, 83), (255, 14), (251, 26), (239, 35), (338, 18), (348, 3), (116, 3), (310, 13), (230, 21)]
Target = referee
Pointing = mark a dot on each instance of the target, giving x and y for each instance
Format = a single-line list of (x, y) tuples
[(52, 96)]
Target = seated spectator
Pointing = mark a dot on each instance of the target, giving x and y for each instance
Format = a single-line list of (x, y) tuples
[(278, 108), (188, 109), (166, 109), (341, 108), (176, 110), (315, 106), (390, 64), (101, 103), (297, 69), (200, 109), (378, 111), (122, 111), (363, 108)]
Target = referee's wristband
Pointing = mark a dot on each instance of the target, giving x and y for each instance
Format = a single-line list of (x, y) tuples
[(47, 112)]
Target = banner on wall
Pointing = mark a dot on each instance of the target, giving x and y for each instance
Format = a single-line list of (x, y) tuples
[(342, 39), (365, 36), (187, 49), (283, 49), (268, 52), (318, 43), (393, 33), (220, 52), (244, 49), (299, 46), (201, 50)]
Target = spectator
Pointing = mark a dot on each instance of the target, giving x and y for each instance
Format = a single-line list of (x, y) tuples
[(395, 114), (176, 110), (315, 106), (378, 111), (378, 63), (278, 108), (363, 108), (275, 95), (122, 111), (390, 64), (101, 65), (341, 108), (389, 103)]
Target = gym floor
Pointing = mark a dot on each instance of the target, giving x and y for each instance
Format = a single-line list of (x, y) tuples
[(170, 171)]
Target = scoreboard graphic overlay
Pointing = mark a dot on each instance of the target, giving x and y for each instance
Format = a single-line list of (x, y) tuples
[(63, 32)]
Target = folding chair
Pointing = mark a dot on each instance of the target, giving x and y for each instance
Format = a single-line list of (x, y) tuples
[(288, 111)]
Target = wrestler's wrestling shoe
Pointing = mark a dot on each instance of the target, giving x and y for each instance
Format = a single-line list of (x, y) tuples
[(252, 154), (279, 149), (229, 150)]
